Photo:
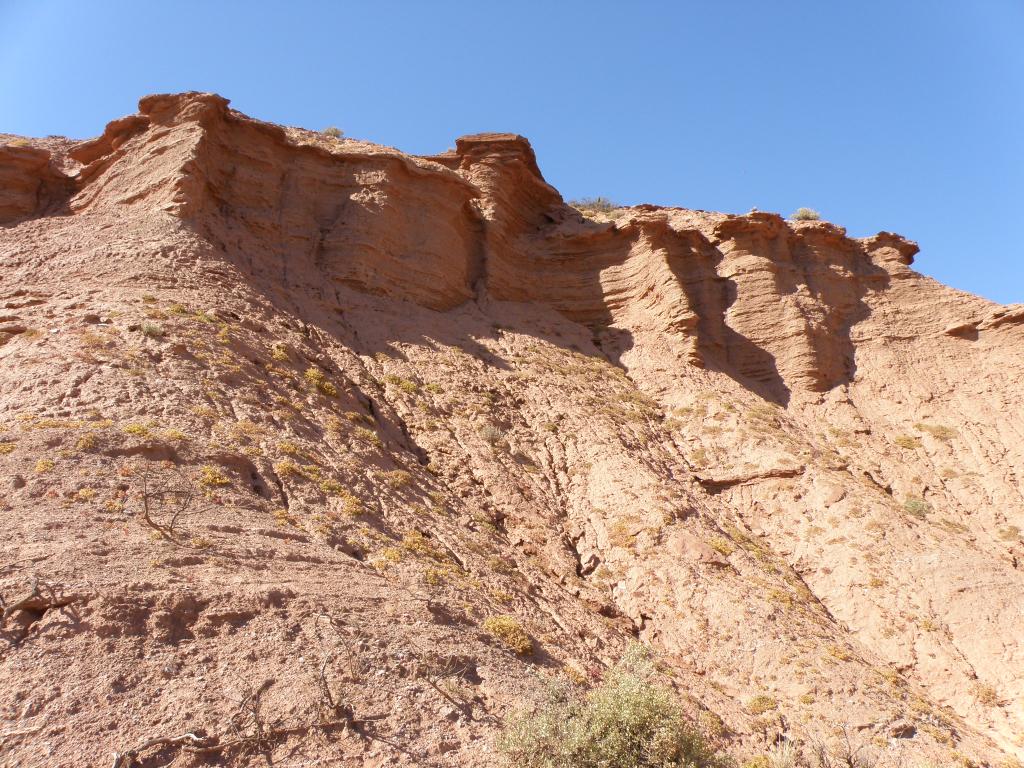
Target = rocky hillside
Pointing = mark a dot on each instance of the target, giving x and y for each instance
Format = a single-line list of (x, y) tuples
[(320, 452)]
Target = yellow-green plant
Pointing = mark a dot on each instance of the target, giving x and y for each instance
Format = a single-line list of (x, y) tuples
[(509, 632), (629, 721), (318, 379), (211, 477)]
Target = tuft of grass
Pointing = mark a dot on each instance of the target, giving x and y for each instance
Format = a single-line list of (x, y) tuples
[(509, 632), (368, 436), (331, 487), (415, 543), (1010, 533), (388, 556), (397, 478), (806, 214), (908, 442), (405, 385), (986, 694), (279, 352), (917, 507), (332, 132), (211, 477), (761, 704), (722, 546), (43, 466), (287, 468), (937, 431), (139, 430), (629, 721), (351, 505), (710, 724), (491, 434), (594, 205), (289, 448), (318, 379), (7, 447), (840, 653), (152, 330), (283, 518)]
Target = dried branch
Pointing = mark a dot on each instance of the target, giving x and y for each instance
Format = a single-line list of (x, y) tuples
[(127, 759), (247, 730), (851, 752), (42, 597), (165, 501)]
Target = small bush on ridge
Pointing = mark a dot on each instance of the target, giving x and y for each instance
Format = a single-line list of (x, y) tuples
[(594, 204), (806, 214)]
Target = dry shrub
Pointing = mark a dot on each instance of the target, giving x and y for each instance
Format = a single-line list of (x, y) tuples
[(629, 721)]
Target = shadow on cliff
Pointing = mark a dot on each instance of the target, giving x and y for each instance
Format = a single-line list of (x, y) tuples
[(828, 304), (841, 294), (828, 290), (695, 263)]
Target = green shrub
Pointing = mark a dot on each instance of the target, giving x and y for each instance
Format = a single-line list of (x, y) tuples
[(629, 721), (806, 214), (917, 507)]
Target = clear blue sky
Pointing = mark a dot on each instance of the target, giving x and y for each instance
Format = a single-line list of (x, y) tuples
[(904, 115)]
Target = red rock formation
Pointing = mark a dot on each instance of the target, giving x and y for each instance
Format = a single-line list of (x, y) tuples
[(419, 391), (29, 184)]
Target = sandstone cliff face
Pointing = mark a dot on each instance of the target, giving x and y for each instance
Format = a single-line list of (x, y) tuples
[(29, 185), (410, 393)]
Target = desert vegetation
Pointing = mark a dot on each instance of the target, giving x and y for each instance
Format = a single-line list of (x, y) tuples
[(630, 720), (594, 205)]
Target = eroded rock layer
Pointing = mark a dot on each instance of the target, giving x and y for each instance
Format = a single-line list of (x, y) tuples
[(287, 418)]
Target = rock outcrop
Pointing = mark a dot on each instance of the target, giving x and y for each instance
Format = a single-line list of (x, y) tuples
[(287, 417)]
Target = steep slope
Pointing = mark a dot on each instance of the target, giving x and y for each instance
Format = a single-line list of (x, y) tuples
[(287, 418)]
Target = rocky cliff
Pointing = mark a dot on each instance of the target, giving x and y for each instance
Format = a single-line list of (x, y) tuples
[(287, 418)]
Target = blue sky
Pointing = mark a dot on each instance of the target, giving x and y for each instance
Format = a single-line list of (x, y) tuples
[(899, 115)]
